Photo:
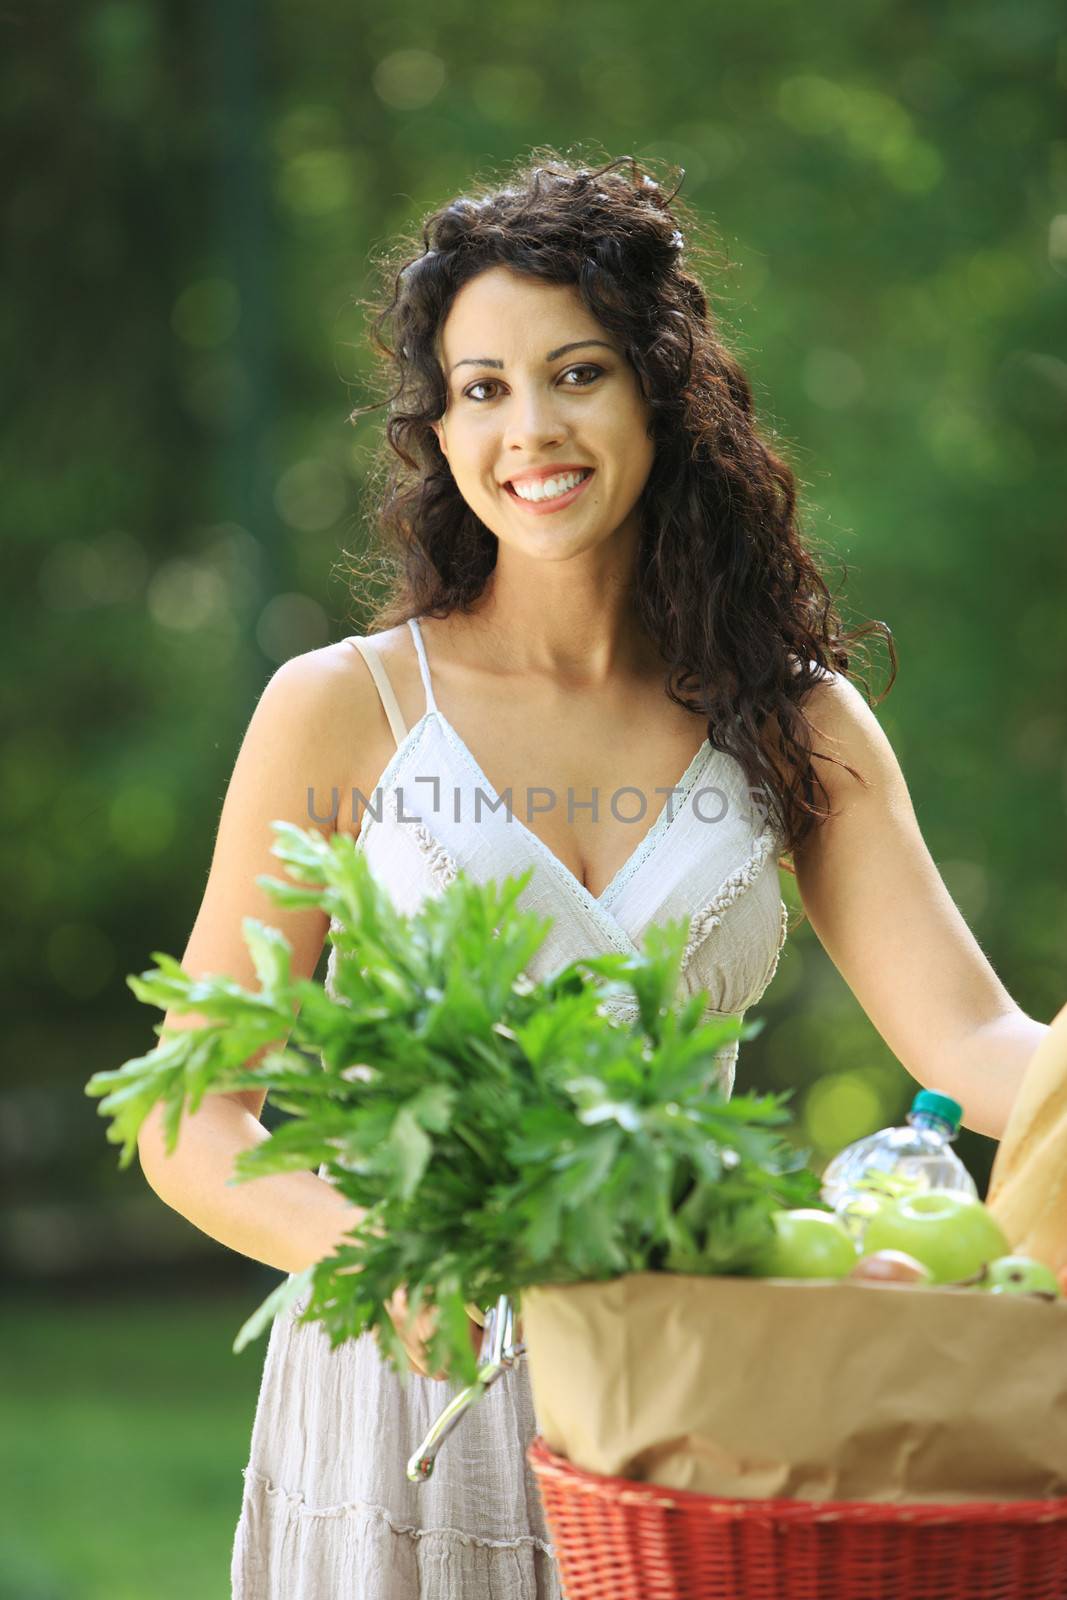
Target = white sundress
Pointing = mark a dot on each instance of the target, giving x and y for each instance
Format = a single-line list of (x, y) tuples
[(327, 1511)]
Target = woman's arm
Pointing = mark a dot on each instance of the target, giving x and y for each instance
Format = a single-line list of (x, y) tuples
[(304, 735), (888, 923), (286, 1220)]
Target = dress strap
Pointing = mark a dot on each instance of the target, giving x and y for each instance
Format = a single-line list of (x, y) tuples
[(368, 649), (424, 665)]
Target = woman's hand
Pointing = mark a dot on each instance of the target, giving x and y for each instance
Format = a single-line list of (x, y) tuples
[(415, 1333)]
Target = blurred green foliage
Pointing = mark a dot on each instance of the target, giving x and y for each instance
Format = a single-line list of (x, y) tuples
[(132, 1423), (190, 214)]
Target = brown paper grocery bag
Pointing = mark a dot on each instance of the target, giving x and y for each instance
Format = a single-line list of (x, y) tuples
[(1028, 1185), (805, 1389)]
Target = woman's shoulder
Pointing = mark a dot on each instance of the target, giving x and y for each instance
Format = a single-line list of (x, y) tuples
[(331, 691), (334, 669)]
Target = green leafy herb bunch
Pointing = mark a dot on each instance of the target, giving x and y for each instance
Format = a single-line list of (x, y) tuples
[(498, 1132)]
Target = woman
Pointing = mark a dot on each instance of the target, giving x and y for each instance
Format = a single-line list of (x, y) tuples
[(597, 585)]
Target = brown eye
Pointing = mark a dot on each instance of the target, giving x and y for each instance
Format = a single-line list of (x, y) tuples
[(584, 366), (468, 394)]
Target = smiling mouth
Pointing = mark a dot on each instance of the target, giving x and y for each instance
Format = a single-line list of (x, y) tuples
[(553, 503)]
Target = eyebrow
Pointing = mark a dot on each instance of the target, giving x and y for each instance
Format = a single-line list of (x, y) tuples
[(490, 361)]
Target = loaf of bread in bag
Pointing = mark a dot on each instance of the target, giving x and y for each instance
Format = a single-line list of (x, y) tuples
[(1028, 1185)]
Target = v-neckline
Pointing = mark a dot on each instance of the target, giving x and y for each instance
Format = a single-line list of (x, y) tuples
[(680, 792), (596, 907)]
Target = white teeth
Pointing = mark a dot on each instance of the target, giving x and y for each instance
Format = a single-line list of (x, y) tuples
[(550, 487)]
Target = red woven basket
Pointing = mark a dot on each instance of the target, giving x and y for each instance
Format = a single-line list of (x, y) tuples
[(616, 1539)]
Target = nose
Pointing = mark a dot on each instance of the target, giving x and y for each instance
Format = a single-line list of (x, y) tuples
[(532, 421)]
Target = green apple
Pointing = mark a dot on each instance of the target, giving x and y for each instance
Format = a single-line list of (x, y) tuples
[(1020, 1275), (807, 1243), (950, 1232)]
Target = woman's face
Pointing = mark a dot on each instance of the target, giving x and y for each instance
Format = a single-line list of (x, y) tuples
[(520, 402)]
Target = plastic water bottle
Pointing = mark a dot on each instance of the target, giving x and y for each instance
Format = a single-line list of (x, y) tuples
[(919, 1154)]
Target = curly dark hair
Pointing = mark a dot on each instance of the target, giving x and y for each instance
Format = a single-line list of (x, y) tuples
[(743, 620)]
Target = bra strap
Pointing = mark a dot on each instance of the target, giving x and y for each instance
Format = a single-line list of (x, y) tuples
[(369, 651), (424, 665)]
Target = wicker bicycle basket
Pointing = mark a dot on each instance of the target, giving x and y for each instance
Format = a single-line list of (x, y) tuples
[(618, 1538)]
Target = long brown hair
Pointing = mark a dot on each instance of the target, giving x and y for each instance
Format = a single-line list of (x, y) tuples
[(724, 583)]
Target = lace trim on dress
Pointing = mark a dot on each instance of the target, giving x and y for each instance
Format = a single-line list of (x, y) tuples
[(710, 916), (441, 862), (299, 1503)]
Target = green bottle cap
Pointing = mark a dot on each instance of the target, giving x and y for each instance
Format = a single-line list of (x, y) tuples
[(940, 1105)]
